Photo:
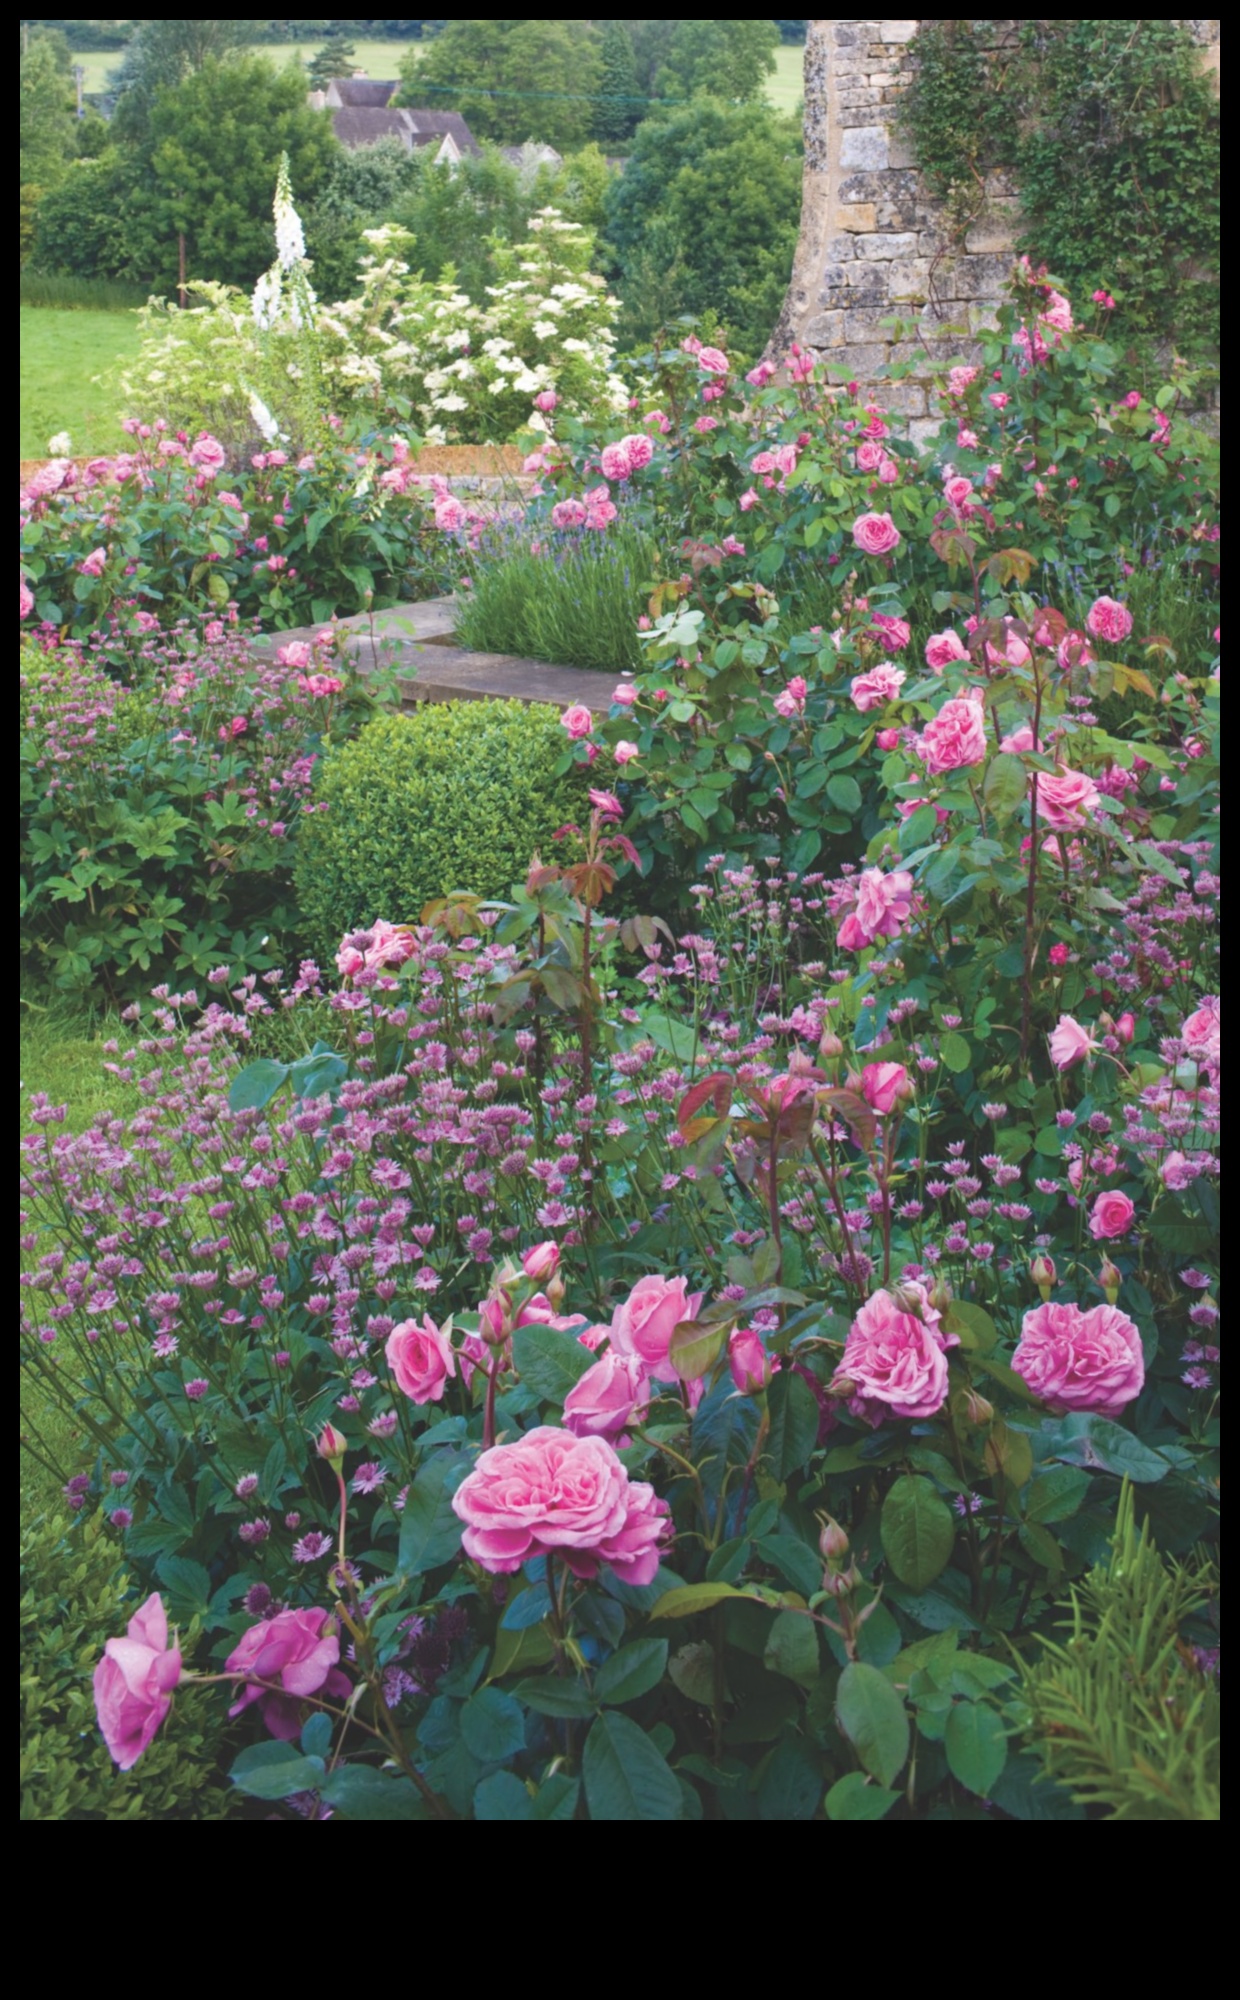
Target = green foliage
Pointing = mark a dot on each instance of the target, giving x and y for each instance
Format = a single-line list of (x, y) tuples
[(704, 219), (619, 107), (576, 601), (1111, 130), (45, 118), (83, 227), (160, 57), (214, 146), (1124, 1715), (728, 59), (74, 1595), (336, 58), (451, 797), (72, 294), (512, 80)]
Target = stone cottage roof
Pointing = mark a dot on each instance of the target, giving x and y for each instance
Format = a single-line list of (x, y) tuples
[(361, 93), (445, 131)]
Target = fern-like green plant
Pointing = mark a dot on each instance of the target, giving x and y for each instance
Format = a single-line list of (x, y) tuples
[(1122, 1715)]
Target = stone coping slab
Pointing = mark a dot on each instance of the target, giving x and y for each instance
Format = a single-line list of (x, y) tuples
[(418, 640)]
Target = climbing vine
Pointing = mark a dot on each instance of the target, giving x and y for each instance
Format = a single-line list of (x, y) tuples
[(1109, 130)]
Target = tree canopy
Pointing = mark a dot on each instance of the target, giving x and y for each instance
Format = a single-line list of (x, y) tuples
[(511, 80)]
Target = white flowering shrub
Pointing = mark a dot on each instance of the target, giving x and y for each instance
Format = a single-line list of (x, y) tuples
[(403, 349)]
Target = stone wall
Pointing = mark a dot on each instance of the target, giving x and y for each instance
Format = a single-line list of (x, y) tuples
[(873, 243)]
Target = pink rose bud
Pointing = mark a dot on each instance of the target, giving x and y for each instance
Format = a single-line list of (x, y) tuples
[(841, 1582), (1042, 1271), (331, 1445), (624, 696), (884, 1086), (832, 1542), (542, 1262), (1110, 1278), (624, 753), (495, 1318), (888, 739), (1125, 1028), (1058, 954), (830, 1047), (749, 1361), (977, 1409)]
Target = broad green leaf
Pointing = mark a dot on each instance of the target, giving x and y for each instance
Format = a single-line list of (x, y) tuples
[(690, 1597), (695, 1346), (502, 1796), (972, 1326), (1055, 1495), (1005, 785), (554, 1694), (872, 1717), (976, 1745), (187, 1583), (853, 1797), (430, 1532), (257, 1085), (918, 1531), (793, 1413), (633, 1671), (791, 1786), (792, 1648), (549, 1360), (276, 1771), (528, 1607), (1087, 1440), (955, 1052), (844, 792), (493, 1725), (357, 1791), (626, 1777)]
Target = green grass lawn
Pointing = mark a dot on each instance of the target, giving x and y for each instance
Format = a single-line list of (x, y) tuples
[(787, 87), (60, 352), (376, 58)]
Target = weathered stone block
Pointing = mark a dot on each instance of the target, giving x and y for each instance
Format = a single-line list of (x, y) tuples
[(826, 330), (896, 31), (855, 215), (906, 399), (880, 247), (923, 431), (860, 361), (866, 147)]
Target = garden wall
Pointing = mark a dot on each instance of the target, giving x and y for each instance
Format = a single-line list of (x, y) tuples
[(872, 239)]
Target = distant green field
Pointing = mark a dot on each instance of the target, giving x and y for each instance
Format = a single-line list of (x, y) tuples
[(376, 58), (60, 352), (384, 59)]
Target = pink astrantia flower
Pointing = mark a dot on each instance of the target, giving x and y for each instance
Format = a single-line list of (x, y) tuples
[(296, 1652), (421, 1359), (1111, 1215), (1066, 798), (608, 1398), (875, 534), (550, 1493), (1108, 619), (955, 738), (577, 720), (1070, 1043), (134, 1682), (1076, 1360), (877, 687), (943, 648), (645, 1323), (896, 1362)]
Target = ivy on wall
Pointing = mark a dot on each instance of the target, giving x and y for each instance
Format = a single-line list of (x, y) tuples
[(1110, 132)]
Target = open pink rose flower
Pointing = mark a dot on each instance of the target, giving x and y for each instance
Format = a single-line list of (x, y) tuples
[(421, 1359), (896, 1362), (645, 1323), (875, 534), (1108, 619), (134, 1682), (1076, 1360), (1111, 1215), (1070, 1043), (294, 1651), (577, 720), (608, 1398), (877, 687), (943, 648), (550, 1493), (1066, 799), (884, 1085), (955, 738)]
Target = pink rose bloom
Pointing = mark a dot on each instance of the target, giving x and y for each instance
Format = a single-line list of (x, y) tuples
[(962, 378), (875, 534), (207, 453), (1066, 798), (614, 459), (421, 1359), (568, 514), (134, 1682), (884, 902), (1201, 1033), (943, 648), (759, 377), (577, 720), (751, 1365), (876, 688), (1076, 1360), (293, 1650), (957, 490), (539, 1311), (450, 515), (624, 696), (638, 450), (606, 803), (1111, 1215), (624, 752), (1070, 1043), (1014, 652), (93, 563), (894, 632), (541, 1262), (26, 598), (608, 1398), (645, 1323), (296, 655), (889, 472), (1107, 619), (715, 362), (884, 1085), (870, 455), (748, 499), (550, 1493), (895, 1361), (1057, 313), (888, 739), (600, 508), (1020, 742), (546, 400), (955, 738), (999, 399)]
